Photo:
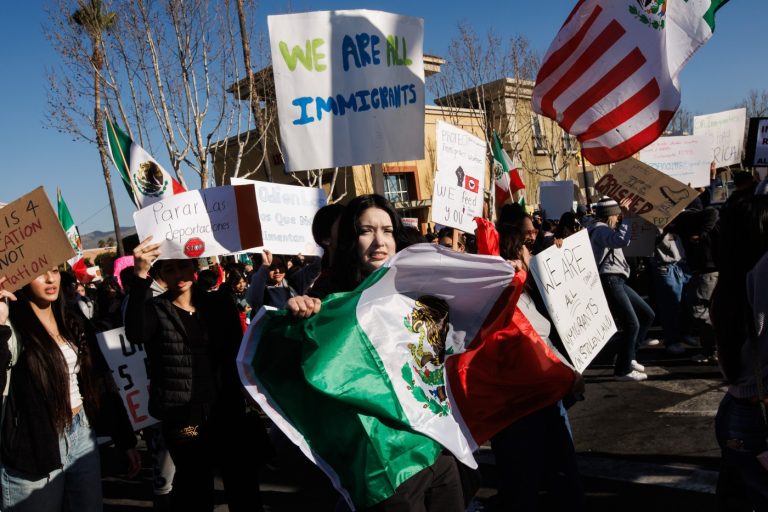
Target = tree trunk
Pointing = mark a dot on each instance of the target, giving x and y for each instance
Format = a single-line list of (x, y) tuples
[(100, 142), (254, 102)]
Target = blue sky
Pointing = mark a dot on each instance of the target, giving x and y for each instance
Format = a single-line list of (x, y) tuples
[(717, 78)]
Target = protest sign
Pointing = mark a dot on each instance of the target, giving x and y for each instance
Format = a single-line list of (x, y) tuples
[(570, 285), (687, 159), (286, 213), (410, 222), (643, 238), (555, 198), (201, 223), (757, 143), (349, 87), (654, 196), (32, 240), (727, 132), (460, 178), (128, 363)]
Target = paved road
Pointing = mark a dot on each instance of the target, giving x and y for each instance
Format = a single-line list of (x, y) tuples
[(642, 446)]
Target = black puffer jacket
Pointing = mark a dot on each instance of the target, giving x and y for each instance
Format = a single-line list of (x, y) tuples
[(155, 323)]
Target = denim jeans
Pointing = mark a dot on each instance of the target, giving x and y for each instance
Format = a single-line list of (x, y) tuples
[(669, 280), (74, 487), (741, 433), (698, 293), (633, 316)]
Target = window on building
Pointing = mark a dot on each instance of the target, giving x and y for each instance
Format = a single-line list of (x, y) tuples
[(397, 187), (539, 143), (570, 144)]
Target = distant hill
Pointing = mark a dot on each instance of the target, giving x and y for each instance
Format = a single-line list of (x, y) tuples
[(91, 240)]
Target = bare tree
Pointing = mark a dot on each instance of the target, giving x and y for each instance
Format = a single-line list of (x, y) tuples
[(681, 124), (756, 103)]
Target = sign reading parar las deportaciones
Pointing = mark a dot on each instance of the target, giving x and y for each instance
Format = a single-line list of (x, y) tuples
[(349, 87), (201, 223), (32, 240), (654, 196), (570, 285)]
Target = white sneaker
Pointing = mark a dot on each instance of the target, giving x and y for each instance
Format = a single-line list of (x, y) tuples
[(676, 348), (651, 342), (633, 376), (637, 366)]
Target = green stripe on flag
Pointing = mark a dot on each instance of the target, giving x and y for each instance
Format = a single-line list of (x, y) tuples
[(330, 383), (120, 150), (709, 16), (65, 218)]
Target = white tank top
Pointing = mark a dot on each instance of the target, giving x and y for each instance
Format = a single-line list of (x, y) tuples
[(70, 356)]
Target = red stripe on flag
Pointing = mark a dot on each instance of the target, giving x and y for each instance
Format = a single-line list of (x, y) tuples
[(629, 147), (564, 52), (604, 86), (602, 43), (177, 188), (574, 11), (624, 112)]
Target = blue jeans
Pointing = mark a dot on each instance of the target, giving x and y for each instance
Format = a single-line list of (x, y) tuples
[(741, 433), (633, 316), (669, 280), (74, 487)]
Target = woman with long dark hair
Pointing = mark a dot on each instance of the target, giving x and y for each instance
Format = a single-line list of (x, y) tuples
[(57, 387), (192, 338), (367, 238), (739, 309)]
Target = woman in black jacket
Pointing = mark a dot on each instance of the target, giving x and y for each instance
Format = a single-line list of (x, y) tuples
[(58, 384), (192, 338)]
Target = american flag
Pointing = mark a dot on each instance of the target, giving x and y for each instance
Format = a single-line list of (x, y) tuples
[(610, 75)]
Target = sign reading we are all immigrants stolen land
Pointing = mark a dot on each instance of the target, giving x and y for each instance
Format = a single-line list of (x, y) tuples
[(349, 87)]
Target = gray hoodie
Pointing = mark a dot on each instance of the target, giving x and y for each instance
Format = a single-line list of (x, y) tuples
[(605, 240), (746, 384)]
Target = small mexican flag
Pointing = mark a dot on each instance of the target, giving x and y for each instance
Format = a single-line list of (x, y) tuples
[(146, 180), (65, 218), (361, 387), (508, 180)]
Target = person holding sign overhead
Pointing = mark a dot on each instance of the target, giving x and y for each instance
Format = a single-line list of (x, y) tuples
[(191, 338), (57, 386), (608, 235)]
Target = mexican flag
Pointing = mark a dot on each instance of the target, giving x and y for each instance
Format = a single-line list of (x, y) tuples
[(361, 386), (65, 218), (145, 180), (508, 180), (610, 77)]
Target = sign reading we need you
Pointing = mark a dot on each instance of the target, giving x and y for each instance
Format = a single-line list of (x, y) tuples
[(349, 87)]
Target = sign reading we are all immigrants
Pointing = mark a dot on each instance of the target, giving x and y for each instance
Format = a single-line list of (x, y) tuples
[(349, 87)]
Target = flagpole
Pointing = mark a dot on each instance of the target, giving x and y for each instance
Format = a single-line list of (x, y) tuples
[(122, 156), (584, 175)]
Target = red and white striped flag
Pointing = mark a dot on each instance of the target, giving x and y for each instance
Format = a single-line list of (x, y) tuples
[(610, 75)]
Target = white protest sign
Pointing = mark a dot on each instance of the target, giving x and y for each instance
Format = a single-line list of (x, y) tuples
[(643, 238), (686, 159), (460, 178), (555, 198), (128, 363), (570, 285), (201, 223), (286, 213), (411, 222), (349, 86), (727, 132)]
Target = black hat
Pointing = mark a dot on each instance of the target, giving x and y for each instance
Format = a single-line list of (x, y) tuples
[(606, 207)]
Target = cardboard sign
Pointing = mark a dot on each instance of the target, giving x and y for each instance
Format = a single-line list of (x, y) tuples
[(687, 159), (460, 178), (727, 132), (570, 285), (32, 240), (201, 223), (128, 363), (643, 239), (555, 198), (757, 143), (655, 196), (350, 87), (286, 213)]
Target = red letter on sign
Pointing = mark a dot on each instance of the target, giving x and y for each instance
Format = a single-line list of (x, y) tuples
[(132, 407)]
